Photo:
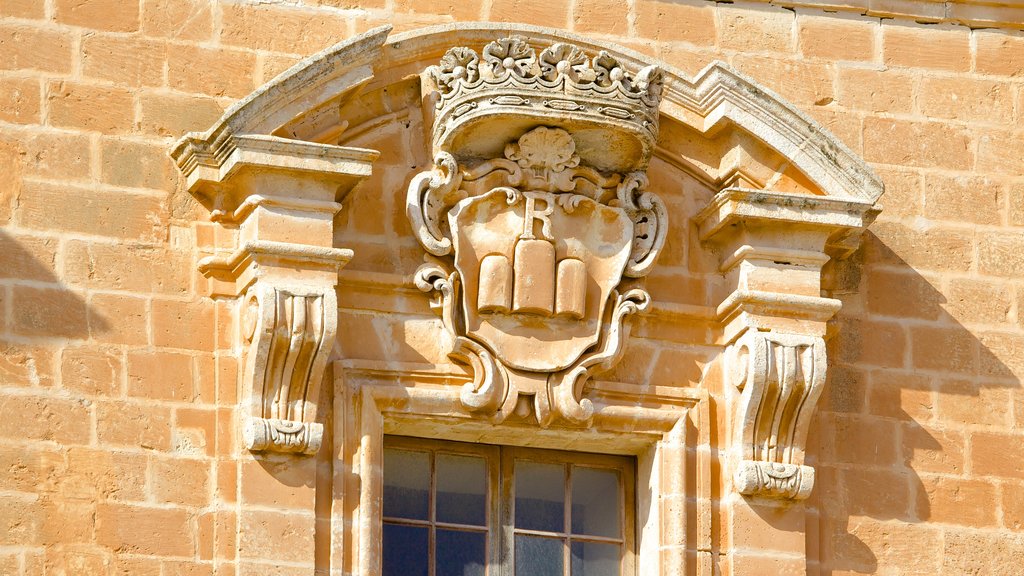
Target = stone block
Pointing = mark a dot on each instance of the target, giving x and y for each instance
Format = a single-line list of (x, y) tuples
[(40, 49), (918, 46), (92, 107), (161, 375), (831, 37), (145, 530), (756, 28), (687, 21), (178, 19), (124, 60), (20, 100)]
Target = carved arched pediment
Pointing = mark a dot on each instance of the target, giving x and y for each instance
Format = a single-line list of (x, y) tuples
[(325, 95)]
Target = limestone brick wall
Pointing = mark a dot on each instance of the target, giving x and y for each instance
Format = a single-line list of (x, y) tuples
[(117, 424)]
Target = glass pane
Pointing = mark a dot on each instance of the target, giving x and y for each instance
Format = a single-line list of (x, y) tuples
[(538, 556), (406, 484), (540, 496), (461, 489), (461, 553), (596, 502), (595, 559), (405, 550)]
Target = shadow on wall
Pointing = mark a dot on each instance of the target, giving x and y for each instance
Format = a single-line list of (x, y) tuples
[(36, 309), (906, 380)]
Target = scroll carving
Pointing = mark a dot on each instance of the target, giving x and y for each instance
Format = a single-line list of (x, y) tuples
[(781, 377), (289, 334), (527, 248)]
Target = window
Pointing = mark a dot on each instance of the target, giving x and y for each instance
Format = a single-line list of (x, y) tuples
[(456, 509)]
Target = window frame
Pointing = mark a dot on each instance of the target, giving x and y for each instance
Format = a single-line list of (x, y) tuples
[(669, 430), (500, 520), (625, 465), (488, 452)]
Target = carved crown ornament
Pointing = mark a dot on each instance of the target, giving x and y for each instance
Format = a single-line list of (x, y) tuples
[(530, 251), (611, 113)]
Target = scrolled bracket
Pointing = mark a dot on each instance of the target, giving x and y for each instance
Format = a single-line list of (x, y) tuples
[(774, 480), (288, 333), (650, 223), (780, 377), (429, 194), (263, 434)]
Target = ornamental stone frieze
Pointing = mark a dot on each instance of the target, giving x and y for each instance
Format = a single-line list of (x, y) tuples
[(536, 211)]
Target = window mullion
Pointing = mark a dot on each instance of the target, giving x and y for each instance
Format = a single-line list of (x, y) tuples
[(432, 517), (506, 517), (567, 527)]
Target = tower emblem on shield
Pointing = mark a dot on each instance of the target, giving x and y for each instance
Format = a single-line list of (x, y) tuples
[(529, 250)]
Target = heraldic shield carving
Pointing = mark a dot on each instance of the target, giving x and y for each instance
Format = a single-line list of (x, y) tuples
[(528, 251)]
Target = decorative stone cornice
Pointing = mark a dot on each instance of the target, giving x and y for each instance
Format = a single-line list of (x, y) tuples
[(224, 173), (843, 218), (762, 235), (969, 13)]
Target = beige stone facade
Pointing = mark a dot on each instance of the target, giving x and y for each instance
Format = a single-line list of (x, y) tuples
[(766, 251)]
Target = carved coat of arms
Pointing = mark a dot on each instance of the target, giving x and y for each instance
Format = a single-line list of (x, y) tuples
[(529, 249)]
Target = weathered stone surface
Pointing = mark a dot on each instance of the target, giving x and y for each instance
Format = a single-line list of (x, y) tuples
[(126, 388)]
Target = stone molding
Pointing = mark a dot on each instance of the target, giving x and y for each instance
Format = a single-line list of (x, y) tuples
[(334, 72), (373, 399), (292, 103), (970, 13)]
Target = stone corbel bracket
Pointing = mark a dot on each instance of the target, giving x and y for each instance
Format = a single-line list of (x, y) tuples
[(772, 247), (780, 377), (281, 196), (290, 334)]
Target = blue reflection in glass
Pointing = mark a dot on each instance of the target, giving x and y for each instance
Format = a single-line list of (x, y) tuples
[(405, 550), (461, 489), (406, 484), (540, 496), (461, 553)]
